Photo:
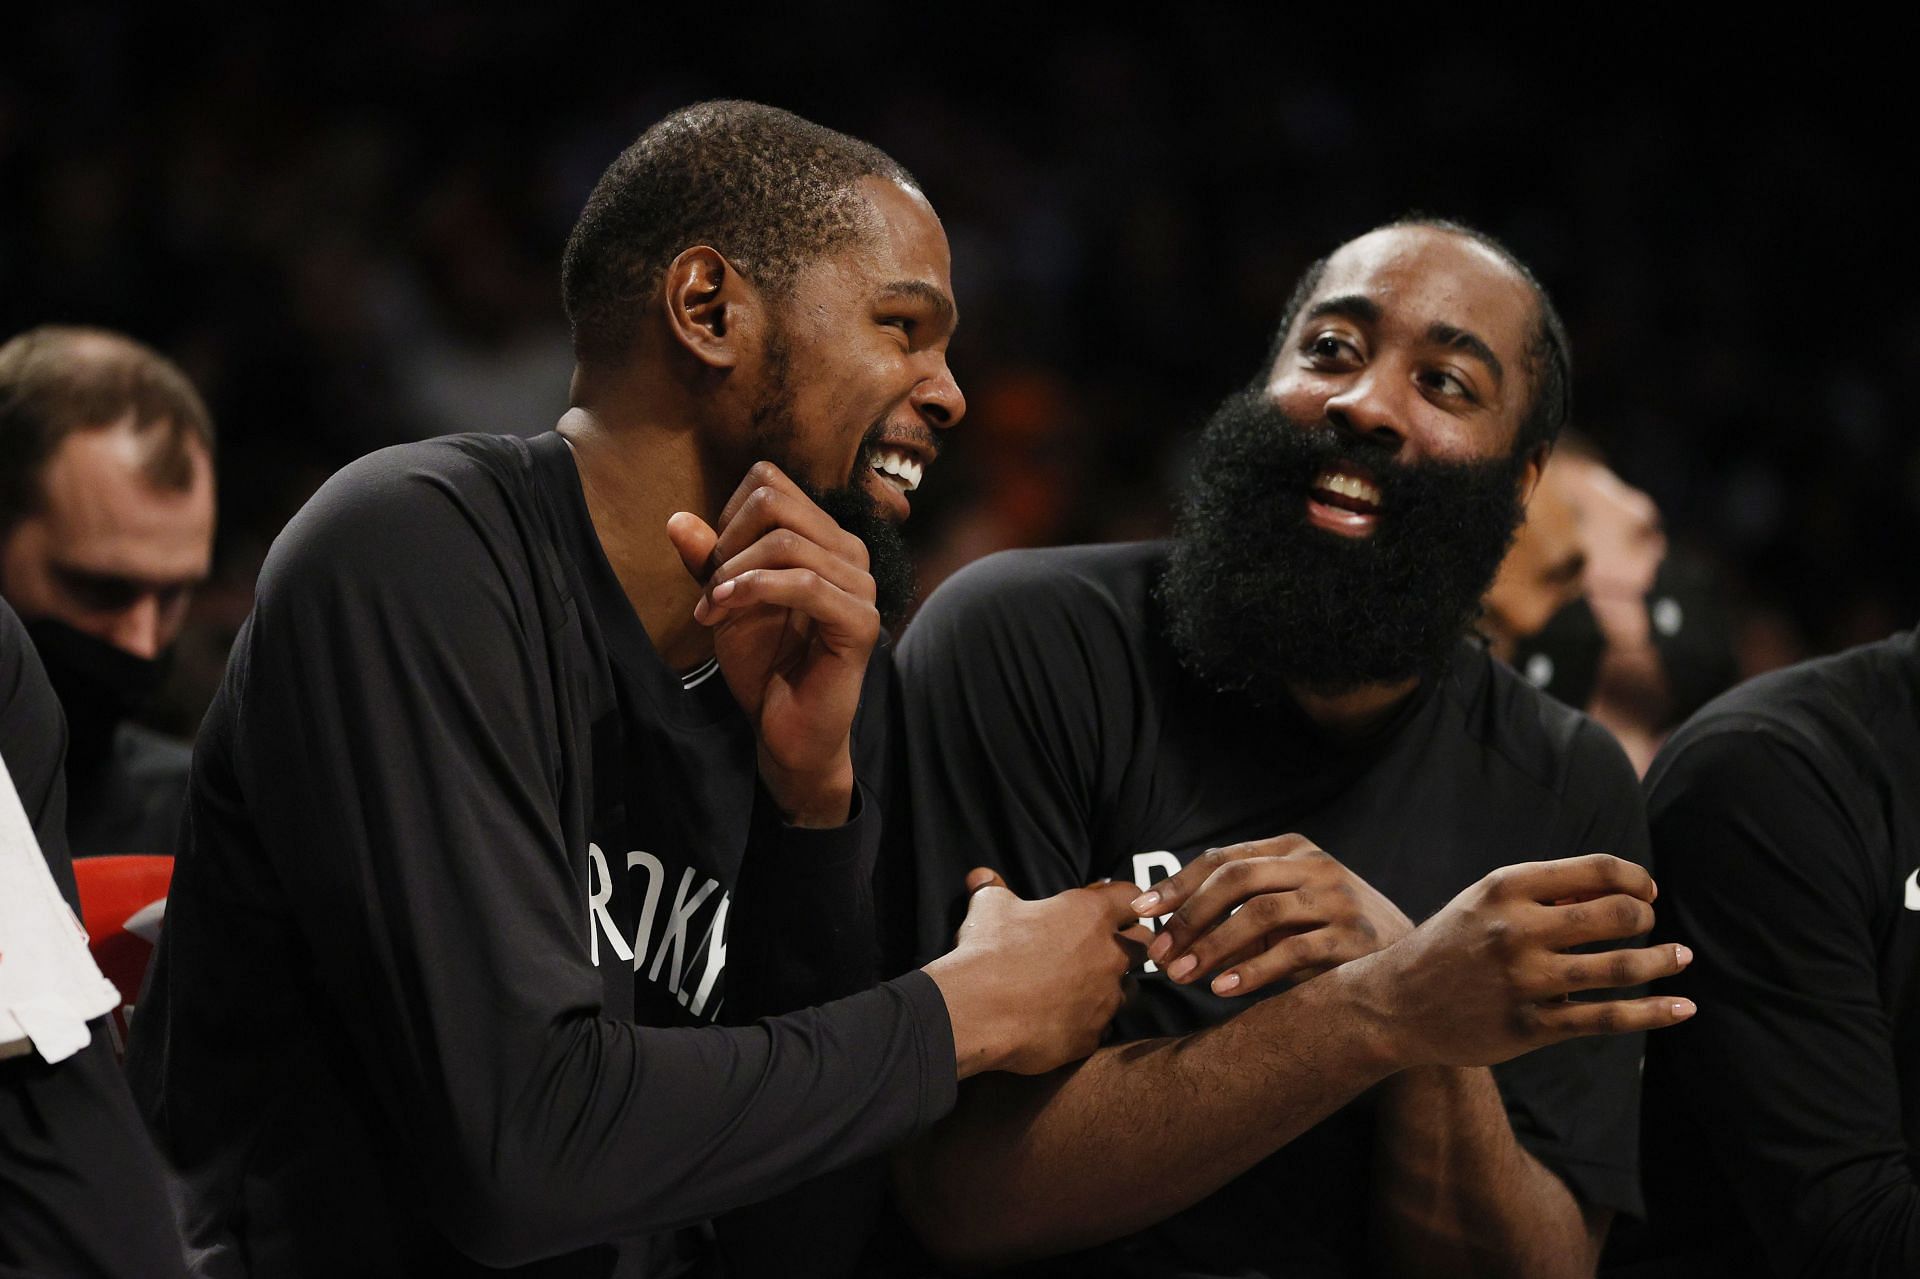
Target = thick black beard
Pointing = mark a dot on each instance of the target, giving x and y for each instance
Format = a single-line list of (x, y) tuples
[(850, 505), (1260, 602)]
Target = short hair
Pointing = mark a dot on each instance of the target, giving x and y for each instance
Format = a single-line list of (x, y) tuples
[(762, 186), (1549, 353), (59, 379)]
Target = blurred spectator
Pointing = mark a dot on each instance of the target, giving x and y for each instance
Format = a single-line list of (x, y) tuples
[(1592, 606), (106, 528)]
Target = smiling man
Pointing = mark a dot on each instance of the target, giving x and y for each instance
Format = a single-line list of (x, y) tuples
[(1275, 727), (545, 773)]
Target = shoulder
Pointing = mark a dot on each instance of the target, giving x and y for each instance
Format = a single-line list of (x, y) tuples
[(404, 510), (1831, 727), (1552, 745), (1038, 594)]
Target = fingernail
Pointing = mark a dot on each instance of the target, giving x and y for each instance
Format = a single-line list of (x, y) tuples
[(1143, 904), (1182, 966), (1683, 1008), (1226, 983), (1161, 945), (1682, 956), (723, 590)]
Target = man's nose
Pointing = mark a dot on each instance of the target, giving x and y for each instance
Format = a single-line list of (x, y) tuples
[(137, 629), (938, 399), (1373, 407)]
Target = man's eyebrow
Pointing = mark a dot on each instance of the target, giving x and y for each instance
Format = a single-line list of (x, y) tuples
[(933, 296), (1352, 306), (1462, 340)]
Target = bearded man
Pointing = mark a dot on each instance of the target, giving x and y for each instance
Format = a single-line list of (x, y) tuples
[(1277, 729)]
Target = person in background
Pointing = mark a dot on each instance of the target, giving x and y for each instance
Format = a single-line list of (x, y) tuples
[(106, 528)]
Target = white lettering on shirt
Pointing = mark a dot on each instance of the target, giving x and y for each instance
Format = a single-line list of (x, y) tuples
[(599, 891)]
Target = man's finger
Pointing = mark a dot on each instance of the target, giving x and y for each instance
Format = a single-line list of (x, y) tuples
[(1172, 892), (1614, 969), (694, 540), (1613, 1017), (1235, 884), (1261, 921), (1577, 878), (771, 506), (760, 475), (784, 548), (984, 877), (1612, 918), (841, 621)]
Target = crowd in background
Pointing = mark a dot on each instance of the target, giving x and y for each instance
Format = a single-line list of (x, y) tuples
[(348, 233)]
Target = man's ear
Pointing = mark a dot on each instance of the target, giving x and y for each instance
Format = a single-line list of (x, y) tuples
[(709, 305), (1530, 473)]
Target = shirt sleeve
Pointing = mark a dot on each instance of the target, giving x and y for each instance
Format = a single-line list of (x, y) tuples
[(1575, 1106), (1787, 1072), (81, 1187), (1015, 695), (397, 749)]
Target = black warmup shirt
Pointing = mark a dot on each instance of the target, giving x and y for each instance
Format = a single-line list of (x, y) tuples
[(80, 1186), (478, 904), (1782, 1122), (1052, 733)]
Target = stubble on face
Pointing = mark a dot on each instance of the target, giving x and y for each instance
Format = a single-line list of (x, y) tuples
[(774, 435), (1261, 603)]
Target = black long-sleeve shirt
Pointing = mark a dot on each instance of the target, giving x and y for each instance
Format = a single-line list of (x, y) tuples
[(81, 1189), (473, 891), (1782, 1122), (1053, 734)]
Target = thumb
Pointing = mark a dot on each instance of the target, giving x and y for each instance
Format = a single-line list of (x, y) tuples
[(983, 877), (694, 539)]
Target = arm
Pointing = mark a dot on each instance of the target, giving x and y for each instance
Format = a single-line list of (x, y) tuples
[(74, 1155), (1471, 1182), (1789, 1078), (1026, 1168), (399, 755), (1456, 1194)]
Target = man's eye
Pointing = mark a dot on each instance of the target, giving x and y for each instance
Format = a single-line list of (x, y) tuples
[(1449, 384), (901, 322), (1329, 347)]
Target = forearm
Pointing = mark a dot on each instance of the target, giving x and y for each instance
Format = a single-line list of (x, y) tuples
[(1456, 1194), (1031, 1167)]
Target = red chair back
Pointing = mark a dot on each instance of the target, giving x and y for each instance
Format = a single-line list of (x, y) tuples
[(122, 901)]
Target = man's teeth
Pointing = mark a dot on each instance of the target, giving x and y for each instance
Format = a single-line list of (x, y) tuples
[(899, 468), (1349, 486)]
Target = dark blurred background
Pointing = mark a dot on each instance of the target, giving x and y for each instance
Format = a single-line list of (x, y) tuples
[(348, 230)]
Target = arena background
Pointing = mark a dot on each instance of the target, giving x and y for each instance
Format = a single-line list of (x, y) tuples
[(348, 230)]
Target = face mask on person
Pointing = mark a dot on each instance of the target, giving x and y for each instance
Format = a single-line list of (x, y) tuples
[(1562, 658), (1693, 632), (99, 684)]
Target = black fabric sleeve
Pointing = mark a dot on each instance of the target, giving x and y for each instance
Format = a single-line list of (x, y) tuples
[(81, 1187), (1788, 1067), (1575, 1106), (397, 747), (1016, 694)]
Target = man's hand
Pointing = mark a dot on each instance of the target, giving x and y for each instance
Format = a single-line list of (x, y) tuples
[(1487, 978), (791, 603), (1031, 986), (1271, 910)]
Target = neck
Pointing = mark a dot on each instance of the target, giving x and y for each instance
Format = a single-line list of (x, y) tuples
[(1352, 713), (636, 471)]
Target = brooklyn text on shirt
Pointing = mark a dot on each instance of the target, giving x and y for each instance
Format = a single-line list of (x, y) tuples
[(687, 964), (1913, 891)]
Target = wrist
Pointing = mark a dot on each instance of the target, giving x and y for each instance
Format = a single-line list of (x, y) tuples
[(811, 800), (1363, 988), (978, 1045)]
